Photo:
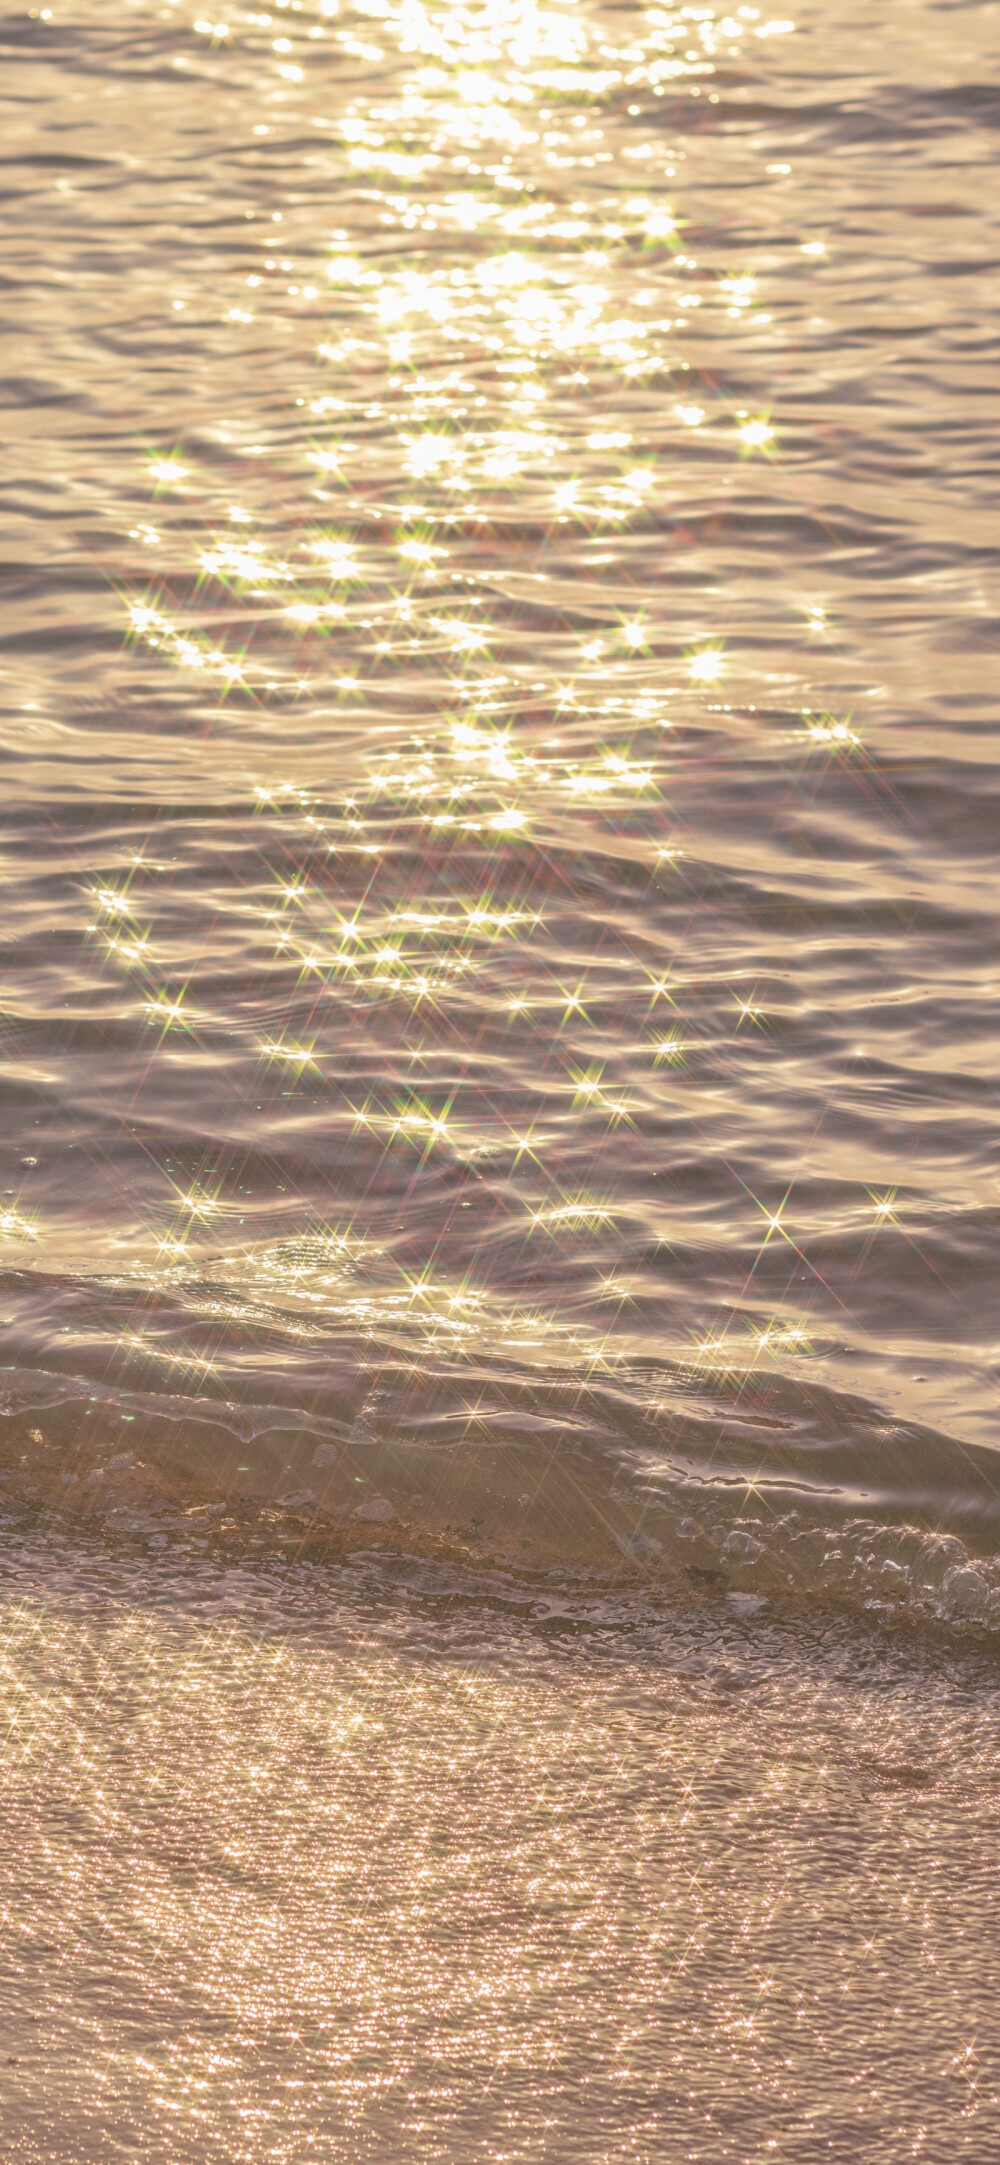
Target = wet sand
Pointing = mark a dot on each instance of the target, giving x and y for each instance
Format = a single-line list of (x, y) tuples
[(367, 1860)]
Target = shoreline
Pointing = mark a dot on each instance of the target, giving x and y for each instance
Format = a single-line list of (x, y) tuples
[(473, 1514)]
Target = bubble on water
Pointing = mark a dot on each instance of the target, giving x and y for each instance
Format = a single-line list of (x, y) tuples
[(944, 1547), (744, 1548), (965, 1591)]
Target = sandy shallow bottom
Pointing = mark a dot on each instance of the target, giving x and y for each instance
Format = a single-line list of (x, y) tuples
[(387, 1861)]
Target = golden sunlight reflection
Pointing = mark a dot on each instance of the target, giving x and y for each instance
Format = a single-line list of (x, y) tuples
[(443, 598), (500, 1577)]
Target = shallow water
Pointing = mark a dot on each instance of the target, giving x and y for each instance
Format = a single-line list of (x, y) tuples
[(499, 1069)]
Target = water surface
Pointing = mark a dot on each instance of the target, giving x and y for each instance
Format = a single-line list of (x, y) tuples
[(498, 1238), (499, 839)]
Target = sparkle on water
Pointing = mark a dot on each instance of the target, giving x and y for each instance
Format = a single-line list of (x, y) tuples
[(534, 828), (501, 939)]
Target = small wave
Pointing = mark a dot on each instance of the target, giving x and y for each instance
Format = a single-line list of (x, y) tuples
[(526, 1489)]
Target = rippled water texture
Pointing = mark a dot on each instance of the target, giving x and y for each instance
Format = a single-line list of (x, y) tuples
[(499, 826), (394, 1876), (499, 1084)]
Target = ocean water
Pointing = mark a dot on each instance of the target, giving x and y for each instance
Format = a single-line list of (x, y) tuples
[(499, 835), (499, 1077)]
